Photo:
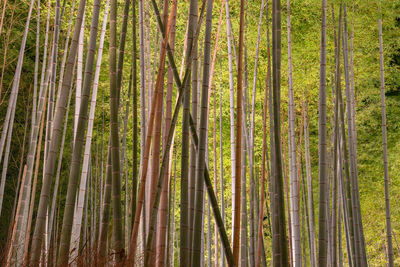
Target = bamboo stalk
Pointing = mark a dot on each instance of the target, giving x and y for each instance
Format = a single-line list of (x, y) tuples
[(50, 161), (384, 145)]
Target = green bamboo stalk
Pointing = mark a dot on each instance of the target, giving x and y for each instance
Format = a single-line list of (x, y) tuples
[(279, 244), (50, 161), (76, 159), (385, 159), (323, 161), (201, 151), (118, 243)]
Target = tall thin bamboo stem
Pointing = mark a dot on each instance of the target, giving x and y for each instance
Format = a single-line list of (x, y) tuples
[(279, 245), (162, 254), (323, 161), (236, 218), (118, 244), (385, 157), (294, 184)]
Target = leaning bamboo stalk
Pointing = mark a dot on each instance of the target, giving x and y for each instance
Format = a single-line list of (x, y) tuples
[(253, 99), (36, 72), (2, 17), (9, 118), (7, 43), (8, 262), (346, 188), (58, 173), (50, 161), (23, 212), (45, 52), (33, 194), (5, 161), (76, 158), (50, 110), (76, 228), (18, 185), (356, 218), (65, 52), (21, 164), (354, 134), (8, 122), (79, 76)]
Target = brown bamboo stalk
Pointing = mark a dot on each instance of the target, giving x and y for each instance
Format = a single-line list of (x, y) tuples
[(154, 104), (164, 212), (217, 213)]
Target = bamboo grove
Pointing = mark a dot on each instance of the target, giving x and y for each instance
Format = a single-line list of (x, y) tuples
[(199, 133)]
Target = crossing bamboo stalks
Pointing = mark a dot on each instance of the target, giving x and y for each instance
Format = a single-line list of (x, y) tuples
[(214, 204), (76, 159), (149, 131), (50, 161)]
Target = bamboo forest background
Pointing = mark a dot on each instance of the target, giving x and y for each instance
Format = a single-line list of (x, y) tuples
[(333, 54)]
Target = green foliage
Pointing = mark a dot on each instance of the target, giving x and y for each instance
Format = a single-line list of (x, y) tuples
[(306, 19)]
